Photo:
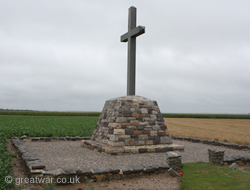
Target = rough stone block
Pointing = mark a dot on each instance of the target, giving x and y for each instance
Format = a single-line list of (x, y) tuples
[(146, 132), (139, 127), (141, 115), (154, 112), (134, 150), (153, 133), (153, 117), (137, 132), (113, 138), (173, 173), (156, 127), (124, 137), (161, 133), (141, 142), (143, 150), (131, 127), (121, 120), (119, 143), (233, 166), (135, 114), (119, 132), (165, 140), (142, 137), (149, 142), (144, 110), (136, 123), (143, 123)]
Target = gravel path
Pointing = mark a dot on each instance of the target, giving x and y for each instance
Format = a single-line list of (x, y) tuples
[(70, 154)]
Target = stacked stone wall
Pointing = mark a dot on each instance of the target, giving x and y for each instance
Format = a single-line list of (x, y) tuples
[(131, 121)]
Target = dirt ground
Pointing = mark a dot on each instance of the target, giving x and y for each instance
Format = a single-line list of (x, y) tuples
[(154, 181)]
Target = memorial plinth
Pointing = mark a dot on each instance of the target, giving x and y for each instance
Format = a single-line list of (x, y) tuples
[(131, 124)]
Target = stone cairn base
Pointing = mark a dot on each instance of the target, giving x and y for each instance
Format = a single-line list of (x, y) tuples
[(131, 124)]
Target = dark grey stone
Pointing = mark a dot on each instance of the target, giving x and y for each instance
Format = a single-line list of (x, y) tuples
[(79, 171), (101, 170), (173, 154), (137, 168), (233, 166), (143, 150), (139, 127), (114, 170), (162, 165), (129, 131), (126, 170), (47, 139), (151, 137), (173, 173), (69, 170), (245, 158), (150, 168), (86, 171), (228, 159), (237, 157)]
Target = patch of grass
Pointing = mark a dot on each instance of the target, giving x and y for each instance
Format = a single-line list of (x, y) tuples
[(90, 186), (207, 176), (247, 170), (49, 186), (11, 126)]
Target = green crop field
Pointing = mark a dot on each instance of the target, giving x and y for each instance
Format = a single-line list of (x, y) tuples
[(11, 126)]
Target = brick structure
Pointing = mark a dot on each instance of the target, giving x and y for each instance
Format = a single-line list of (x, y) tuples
[(132, 123), (174, 160), (216, 156)]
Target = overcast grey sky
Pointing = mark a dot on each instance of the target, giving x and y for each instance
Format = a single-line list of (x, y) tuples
[(66, 55)]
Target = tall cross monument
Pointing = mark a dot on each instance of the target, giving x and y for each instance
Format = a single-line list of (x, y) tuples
[(130, 37), (119, 129)]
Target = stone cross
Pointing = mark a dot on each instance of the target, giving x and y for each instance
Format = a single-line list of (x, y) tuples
[(130, 37)]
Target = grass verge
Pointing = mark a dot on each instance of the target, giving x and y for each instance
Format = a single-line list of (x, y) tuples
[(207, 176)]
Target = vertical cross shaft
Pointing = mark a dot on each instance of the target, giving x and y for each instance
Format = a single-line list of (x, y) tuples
[(131, 53), (130, 37)]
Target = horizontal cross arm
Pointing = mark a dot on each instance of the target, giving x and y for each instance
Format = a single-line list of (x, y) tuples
[(133, 33)]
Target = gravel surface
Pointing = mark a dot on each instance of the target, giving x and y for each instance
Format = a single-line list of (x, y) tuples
[(70, 154)]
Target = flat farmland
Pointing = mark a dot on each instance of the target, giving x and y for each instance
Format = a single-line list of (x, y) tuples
[(225, 130)]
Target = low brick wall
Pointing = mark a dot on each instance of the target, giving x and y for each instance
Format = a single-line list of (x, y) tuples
[(174, 161), (218, 157), (70, 175), (215, 143)]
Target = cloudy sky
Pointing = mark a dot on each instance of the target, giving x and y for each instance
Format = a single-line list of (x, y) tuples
[(66, 55)]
